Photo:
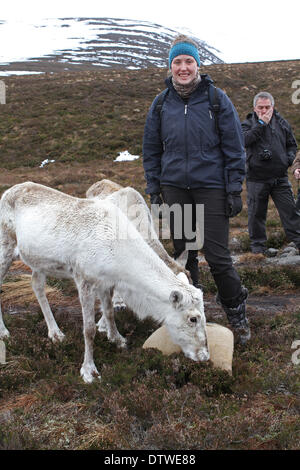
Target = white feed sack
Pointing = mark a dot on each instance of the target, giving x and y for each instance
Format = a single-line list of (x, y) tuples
[(220, 344)]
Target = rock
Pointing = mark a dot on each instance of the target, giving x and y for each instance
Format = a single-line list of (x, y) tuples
[(271, 252), (162, 341), (220, 344), (285, 261), (289, 251)]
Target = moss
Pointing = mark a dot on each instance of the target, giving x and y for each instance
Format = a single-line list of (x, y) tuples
[(286, 278), (17, 439)]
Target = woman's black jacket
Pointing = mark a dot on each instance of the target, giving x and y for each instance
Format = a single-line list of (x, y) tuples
[(182, 148)]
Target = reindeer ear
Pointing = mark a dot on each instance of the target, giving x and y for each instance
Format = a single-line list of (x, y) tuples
[(176, 298), (182, 259)]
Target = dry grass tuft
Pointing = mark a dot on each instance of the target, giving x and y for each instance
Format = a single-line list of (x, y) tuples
[(19, 266), (252, 258), (19, 291), (24, 401)]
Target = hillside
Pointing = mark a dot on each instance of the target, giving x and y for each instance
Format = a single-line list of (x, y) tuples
[(91, 115)]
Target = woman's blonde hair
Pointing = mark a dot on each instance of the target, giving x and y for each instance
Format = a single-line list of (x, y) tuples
[(183, 38)]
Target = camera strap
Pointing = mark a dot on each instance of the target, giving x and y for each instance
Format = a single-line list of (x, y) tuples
[(270, 130)]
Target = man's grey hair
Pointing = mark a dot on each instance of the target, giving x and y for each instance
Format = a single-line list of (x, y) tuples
[(265, 95)]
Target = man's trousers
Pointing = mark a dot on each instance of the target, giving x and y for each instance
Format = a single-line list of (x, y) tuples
[(258, 194)]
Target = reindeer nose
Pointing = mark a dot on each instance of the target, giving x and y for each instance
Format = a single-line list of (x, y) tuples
[(204, 356)]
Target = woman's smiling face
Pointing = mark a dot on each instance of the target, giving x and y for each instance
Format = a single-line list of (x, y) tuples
[(184, 69)]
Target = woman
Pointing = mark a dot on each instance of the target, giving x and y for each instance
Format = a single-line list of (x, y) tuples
[(190, 163)]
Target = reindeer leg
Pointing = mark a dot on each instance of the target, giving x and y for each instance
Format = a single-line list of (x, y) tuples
[(87, 297), (38, 285), (101, 325), (7, 246), (118, 302), (118, 305), (107, 321)]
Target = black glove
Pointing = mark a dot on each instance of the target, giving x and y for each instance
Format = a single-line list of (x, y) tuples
[(234, 204), (156, 199)]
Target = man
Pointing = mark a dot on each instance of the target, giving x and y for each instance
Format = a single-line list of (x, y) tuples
[(271, 149), (296, 173), (296, 166)]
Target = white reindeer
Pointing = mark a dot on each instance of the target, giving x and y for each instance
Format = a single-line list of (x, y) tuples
[(94, 243)]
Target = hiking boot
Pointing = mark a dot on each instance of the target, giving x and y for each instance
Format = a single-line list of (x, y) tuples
[(237, 318), (239, 322)]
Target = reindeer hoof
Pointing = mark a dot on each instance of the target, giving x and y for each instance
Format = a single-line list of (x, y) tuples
[(121, 343), (89, 374), (57, 336), (101, 325), (119, 308), (4, 334)]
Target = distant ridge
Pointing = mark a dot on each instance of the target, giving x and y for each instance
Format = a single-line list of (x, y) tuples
[(107, 42)]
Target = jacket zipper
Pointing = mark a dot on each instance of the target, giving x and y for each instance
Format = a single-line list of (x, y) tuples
[(186, 147)]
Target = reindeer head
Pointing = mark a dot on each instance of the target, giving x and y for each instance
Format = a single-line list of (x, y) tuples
[(187, 324)]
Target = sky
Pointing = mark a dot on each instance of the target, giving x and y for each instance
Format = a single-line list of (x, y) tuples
[(252, 31)]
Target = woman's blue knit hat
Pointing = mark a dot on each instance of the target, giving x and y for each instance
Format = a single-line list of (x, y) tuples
[(184, 48)]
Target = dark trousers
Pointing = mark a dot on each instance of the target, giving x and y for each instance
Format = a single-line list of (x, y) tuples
[(258, 195), (216, 233)]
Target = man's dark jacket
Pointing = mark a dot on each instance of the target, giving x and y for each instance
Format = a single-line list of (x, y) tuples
[(277, 138), (185, 150)]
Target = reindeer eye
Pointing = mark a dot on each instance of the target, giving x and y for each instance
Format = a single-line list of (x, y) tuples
[(193, 319)]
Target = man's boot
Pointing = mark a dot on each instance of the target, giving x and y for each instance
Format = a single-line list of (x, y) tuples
[(237, 318)]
